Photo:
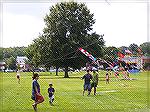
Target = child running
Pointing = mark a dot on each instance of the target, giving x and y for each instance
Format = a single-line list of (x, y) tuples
[(51, 91), (18, 76), (107, 78)]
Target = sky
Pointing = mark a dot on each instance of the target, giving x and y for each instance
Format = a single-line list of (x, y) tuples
[(122, 23)]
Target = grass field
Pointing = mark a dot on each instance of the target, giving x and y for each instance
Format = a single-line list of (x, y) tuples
[(118, 96)]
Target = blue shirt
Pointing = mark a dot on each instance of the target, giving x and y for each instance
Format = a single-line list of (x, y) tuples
[(35, 84), (50, 91), (87, 78)]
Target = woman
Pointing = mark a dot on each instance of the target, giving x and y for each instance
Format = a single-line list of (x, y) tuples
[(36, 96)]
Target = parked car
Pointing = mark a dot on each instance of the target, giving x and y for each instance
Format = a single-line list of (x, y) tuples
[(9, 70), (38, 70)]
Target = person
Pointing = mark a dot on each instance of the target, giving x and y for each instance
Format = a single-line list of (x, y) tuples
[(94, 80), (36, 96), (107, 78), (51, 91), (87, 85), (18, 76)]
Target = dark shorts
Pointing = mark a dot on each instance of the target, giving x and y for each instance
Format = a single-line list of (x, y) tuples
[(18, 77), (87, 87), (107, 80), (94, 84)]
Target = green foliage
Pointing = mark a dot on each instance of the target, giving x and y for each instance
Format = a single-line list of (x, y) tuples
[(146, 66), (11, 63), (68, 27), (146, 48), (1, 54), (110, 53), (134, 48), (10, 54)]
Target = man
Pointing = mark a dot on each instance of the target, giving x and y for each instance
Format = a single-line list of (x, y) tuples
[(87, 85), (94, 80)]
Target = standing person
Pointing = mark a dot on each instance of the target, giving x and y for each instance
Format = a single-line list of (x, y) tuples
[(107, 78), (18, 76), (36, 96), (87, 85), (94, 80), (51, 91)]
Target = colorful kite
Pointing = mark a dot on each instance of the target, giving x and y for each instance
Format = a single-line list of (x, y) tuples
[(87, 54)]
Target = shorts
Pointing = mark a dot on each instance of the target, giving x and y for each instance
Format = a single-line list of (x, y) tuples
[(51, 99), (94, 84), (18, 77), (87, 87), (107, 80)]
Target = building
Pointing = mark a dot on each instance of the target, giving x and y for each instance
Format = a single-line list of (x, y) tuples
[(138, 61), (21, 61)]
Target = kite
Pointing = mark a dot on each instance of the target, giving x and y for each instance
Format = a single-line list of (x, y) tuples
[(87, 54)]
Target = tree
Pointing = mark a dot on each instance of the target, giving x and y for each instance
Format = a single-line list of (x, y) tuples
[(145, 48), (11, 63), (9, 55), (1, 54), (68, 27), (134, 48), (33, 55), (110, 53)]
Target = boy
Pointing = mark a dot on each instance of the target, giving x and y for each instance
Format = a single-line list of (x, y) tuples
[(94, 80), (51, 91)]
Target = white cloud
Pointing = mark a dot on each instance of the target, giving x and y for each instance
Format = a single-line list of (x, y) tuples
[(20, 30), (121, 23)]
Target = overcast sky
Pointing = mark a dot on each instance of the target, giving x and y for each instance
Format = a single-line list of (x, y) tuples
[(122, 23)]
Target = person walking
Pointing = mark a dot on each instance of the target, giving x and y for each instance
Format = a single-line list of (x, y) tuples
[(87, 85), (51, 91), (107, 78), (36, 96), (94, 80)]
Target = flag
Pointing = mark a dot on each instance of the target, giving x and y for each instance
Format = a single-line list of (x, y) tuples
[(120, 55)]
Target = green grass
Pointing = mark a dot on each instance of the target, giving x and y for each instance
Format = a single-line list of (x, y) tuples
[(118, 96)]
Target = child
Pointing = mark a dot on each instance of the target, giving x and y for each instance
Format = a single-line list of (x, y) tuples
[(18, 76), (51, 91), (107, 78)]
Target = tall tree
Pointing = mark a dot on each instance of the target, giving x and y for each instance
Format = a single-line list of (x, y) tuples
[(68, 27)]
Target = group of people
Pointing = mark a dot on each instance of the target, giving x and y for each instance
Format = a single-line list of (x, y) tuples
[(36, 95), (90, 81)]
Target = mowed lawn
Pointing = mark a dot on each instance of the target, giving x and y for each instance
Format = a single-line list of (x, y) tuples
[(117, 96)]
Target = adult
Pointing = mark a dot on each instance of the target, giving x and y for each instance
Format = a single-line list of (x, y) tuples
[(94, 80), (36, 96), (87, 85)]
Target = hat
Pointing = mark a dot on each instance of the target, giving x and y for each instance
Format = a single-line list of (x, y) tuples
[(50, 84)]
